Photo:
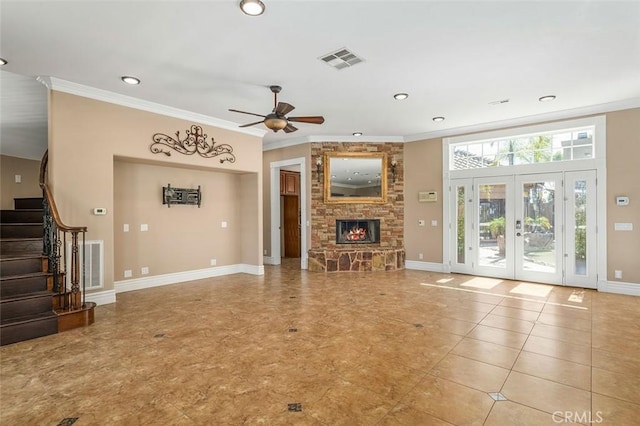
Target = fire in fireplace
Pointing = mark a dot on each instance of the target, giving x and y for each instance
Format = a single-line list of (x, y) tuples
[(362, 231)]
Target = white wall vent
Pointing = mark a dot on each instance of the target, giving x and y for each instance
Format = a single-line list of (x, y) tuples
[(93, 256), (341, 59)]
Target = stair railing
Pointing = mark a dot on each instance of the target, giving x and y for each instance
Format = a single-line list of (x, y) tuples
[(66, 279)]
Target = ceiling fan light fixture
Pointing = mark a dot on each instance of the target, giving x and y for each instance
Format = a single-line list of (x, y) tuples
[(275, 123), (252, 7), (400, 96), (547, 98), (130, 80)]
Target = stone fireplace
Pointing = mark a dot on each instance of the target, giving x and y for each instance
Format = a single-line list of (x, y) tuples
[(357, 236)]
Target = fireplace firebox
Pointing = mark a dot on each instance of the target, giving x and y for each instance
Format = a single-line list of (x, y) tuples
[(357, 231)]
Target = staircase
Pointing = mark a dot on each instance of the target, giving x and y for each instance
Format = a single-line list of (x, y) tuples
[(26, 299)]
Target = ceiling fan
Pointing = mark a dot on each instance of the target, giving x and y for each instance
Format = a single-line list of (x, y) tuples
[(277, 120)]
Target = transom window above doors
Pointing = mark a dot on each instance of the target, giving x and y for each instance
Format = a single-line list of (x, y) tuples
[(566, 144)]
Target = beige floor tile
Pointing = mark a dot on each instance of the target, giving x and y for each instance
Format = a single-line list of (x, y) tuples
[(521, 314), (449, 401), (490, 353), (545, 395), (510, 413), (554, 369), (559, 349), (403, 415), (614, 412), (366, 351), (507, 323), (521, 303), (563, 334), (566, 322), (624, 363), (507, 338), (474, 374), (617, 385)]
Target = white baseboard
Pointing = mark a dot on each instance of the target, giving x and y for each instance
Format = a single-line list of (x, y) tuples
[(424, 266), (101, 297), (180, 277), (630, 289), (268, 260)]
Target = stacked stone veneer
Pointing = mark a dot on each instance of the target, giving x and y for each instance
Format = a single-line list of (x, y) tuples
[(327, 256)]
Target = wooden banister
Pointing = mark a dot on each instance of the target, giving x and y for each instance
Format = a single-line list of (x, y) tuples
[(46, 192)]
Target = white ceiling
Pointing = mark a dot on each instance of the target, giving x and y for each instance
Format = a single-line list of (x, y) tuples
[(453, 58)]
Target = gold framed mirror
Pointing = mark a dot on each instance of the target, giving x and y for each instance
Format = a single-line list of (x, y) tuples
[(355, 177)]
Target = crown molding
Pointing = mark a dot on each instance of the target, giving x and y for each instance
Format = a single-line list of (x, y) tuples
[(53, 83), (531, 119), (268, 146)]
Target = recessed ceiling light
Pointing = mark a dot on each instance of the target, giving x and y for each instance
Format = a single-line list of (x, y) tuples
[(547, 98), (252, 7), (130, 80), (436, 119), (3, 61), (357, 133), (400, 96)]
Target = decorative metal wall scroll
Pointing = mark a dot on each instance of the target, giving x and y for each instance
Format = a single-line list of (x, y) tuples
[(195, 141), (181, 196)]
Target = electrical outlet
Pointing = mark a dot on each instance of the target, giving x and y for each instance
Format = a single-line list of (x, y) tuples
[(18, 178), (434, 223), (128, 273), (213, 262), (224, 224), (265, 252), (144, 227), (144, 270), (420, 256), (125, 227), (617, 274)]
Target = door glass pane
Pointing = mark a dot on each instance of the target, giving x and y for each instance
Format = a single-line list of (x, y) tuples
[(460, 242), (580, 226), (491, 219), (538, 230)]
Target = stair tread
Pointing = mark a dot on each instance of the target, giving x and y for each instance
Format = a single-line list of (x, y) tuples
[(27, 275), (28, 318), (20, 239), (21, 256), (20, 223), (23, 296)]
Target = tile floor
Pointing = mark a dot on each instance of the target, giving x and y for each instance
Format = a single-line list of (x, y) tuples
[(298, 348)]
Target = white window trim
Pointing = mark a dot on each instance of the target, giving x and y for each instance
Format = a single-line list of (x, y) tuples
[(598, 163)]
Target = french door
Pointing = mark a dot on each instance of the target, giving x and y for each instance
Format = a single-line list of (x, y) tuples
[(531, 227)]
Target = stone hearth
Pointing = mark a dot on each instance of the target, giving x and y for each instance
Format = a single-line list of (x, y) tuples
[(360, 260)]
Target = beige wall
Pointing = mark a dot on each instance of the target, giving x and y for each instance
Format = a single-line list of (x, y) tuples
[(275, 155), (85, 137), (623, 178), (29, 171), (423, 172), (183, 237)]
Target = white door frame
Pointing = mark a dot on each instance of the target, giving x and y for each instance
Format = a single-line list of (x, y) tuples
[(276, 255), (598, 163)]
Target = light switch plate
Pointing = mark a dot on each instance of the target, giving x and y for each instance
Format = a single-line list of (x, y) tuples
[(144, 227)]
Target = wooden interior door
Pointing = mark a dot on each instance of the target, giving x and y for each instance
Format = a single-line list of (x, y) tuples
[(291, 226)]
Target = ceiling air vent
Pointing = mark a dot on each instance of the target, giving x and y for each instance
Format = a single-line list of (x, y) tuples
[(340, 59)]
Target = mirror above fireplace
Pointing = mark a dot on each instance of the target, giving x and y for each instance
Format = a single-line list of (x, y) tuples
[(355, 177)]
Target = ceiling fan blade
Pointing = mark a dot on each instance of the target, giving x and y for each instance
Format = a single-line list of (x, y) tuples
[(283, 108), (317, 119), (290, 128), (245, 112), (251, 124)]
